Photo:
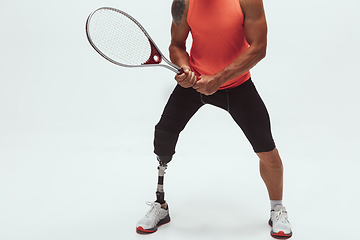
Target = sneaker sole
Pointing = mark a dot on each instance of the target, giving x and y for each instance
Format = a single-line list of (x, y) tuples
[(280, 234), (141, 230)]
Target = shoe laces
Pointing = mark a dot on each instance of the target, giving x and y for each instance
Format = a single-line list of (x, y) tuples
[(281, 216), (154, 210)]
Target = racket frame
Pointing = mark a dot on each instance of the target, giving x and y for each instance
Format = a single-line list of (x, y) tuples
[(154, 47)]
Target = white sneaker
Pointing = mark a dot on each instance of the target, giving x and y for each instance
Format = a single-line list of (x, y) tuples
[(155, 217), (281, 228)]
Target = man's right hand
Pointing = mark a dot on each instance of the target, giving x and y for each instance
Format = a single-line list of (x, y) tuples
[(187, 78)]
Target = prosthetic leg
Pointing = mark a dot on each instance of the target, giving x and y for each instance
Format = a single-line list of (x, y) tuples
[(164, 144), (157, 215), (163, 161)]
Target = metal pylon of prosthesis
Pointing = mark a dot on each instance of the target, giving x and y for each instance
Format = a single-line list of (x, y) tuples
[(160, 187)]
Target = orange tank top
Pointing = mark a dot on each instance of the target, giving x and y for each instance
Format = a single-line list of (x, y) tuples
[(217, 29)]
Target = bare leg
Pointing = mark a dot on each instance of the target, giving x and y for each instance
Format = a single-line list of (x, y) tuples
[(271, 171)]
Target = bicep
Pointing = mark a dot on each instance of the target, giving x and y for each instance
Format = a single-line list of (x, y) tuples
[(255, 25), (179, 34)]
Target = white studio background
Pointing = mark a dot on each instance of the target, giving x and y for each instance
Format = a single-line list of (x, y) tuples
[(76, 131)]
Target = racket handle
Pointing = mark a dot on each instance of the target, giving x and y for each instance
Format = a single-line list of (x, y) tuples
[(181, 71)]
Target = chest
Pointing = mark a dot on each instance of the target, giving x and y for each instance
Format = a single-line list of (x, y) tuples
[(215, 16)]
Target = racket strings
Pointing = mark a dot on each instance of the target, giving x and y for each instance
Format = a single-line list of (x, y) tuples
[(119, 38)]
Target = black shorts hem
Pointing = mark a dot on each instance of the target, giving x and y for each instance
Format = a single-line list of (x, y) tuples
[(268, 149)]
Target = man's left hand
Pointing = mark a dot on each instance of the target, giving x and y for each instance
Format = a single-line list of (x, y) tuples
[(207, 84)]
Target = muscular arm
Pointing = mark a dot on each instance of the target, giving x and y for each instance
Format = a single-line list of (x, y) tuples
[(256, 35), (179, 33)]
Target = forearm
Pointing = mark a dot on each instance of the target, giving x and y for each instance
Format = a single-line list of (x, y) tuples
[(243, 63), (179, 56)]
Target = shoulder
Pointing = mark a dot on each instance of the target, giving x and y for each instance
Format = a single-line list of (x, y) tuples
[(179, 10)]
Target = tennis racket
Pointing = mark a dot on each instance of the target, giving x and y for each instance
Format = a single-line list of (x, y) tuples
[(122, 40)]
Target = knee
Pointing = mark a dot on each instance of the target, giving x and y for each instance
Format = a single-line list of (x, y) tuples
[(271, 158)]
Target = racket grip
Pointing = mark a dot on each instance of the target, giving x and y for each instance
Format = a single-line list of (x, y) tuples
[(181, 71)]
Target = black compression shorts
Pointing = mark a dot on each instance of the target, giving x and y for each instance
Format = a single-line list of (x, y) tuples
[(243, 103)]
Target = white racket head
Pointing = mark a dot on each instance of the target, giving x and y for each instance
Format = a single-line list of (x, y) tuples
[(122, 40)]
